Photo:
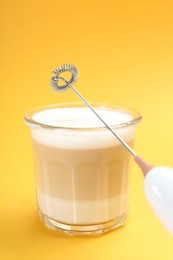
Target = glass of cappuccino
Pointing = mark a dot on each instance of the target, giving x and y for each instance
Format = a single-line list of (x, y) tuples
[(82, 170)]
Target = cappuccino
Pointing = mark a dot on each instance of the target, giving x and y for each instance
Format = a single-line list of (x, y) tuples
[(82, 170)]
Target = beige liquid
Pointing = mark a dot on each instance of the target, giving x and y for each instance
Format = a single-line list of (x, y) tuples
[(82, 185), (82, 170)]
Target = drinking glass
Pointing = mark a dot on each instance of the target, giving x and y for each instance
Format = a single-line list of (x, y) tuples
[(82, 171)]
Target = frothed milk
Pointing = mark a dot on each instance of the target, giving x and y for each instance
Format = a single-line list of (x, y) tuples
[(82, 170)]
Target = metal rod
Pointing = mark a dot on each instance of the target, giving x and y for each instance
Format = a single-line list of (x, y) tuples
[(109, 127)]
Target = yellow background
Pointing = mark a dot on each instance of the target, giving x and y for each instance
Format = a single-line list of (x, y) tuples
[(124, 51)]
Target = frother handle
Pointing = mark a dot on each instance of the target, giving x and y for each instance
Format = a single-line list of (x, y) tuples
[(158, 187)]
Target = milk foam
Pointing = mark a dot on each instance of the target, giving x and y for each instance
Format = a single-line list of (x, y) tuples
[(75, 128), (81, 117)]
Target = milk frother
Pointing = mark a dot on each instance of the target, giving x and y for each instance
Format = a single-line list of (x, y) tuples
[(158, 180)]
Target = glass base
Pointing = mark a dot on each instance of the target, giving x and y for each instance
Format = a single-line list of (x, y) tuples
[(71, 229)]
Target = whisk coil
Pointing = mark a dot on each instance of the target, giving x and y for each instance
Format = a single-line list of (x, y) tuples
[(55, 81)]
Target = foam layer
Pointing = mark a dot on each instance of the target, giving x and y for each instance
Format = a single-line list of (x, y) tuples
[(81, 118)]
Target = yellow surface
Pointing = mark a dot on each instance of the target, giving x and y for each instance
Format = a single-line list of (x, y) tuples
[(124, 52)]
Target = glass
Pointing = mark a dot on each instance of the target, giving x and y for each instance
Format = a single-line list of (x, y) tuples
[(82, 171)]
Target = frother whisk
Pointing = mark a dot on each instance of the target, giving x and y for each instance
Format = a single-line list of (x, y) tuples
[(158, 182), (60, 88)]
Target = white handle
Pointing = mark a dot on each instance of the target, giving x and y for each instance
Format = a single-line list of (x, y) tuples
[(158, 186)]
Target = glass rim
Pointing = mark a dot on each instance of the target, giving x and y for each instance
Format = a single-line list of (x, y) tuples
[(28, 117)]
